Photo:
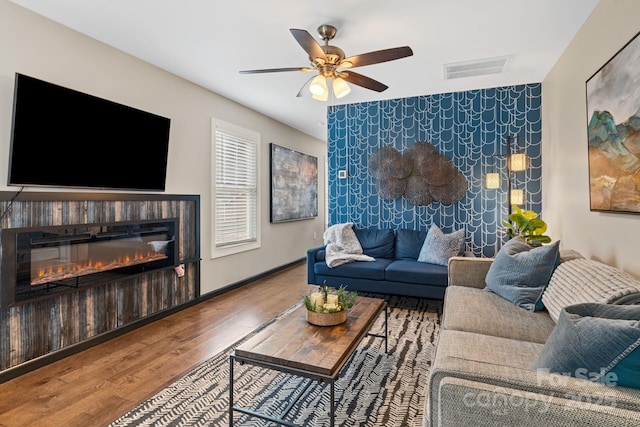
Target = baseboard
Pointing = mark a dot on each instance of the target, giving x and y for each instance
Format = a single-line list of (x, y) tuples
[(251, 279)]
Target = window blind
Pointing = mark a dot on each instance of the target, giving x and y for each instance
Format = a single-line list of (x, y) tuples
[(235, 188)]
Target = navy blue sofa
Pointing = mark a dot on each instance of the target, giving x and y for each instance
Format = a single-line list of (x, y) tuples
[(395, 270)]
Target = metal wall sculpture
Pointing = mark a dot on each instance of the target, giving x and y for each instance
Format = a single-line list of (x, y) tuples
[(420, 174)]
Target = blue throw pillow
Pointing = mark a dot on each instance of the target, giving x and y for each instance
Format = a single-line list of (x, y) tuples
[(377, 243), (439, 247), (521, 273), (409, 243), (598, 342)]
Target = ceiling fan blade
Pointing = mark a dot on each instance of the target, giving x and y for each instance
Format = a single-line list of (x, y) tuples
[(376, 57), (308, 43), (276, 70), (364, 81)]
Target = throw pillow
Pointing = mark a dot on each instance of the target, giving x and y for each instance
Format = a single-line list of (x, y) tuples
[(598, 342), (377, 243), (409, 243), (439, 247), (521, 273)]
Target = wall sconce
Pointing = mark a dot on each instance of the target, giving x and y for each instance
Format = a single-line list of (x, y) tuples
[(517, 196), (517, 162), (492, 180)]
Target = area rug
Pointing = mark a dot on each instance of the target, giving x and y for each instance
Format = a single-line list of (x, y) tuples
[(374, 389)]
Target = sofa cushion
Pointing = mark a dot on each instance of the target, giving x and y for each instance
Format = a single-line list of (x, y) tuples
[(583, 280), (520, 273), (376, 243), (408, 243), (416, 272), (438, 247), (479, 311), (595, 341), (498, 365), (372, 270), (469, 349)]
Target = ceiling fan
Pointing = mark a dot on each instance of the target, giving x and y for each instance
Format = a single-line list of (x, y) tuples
[(332, 66)]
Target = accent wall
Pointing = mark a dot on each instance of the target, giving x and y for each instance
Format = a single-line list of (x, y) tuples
[(472, 128)]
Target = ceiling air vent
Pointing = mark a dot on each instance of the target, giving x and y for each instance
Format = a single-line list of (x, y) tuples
[(480, 67)]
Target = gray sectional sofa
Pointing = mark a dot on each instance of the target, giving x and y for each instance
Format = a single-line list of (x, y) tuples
[(481, 372), (394, 271)]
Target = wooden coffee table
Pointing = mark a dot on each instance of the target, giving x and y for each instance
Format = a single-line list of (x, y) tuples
[(294, 346)]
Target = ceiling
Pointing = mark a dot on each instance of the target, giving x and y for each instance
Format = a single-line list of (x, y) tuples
[(209, 41)]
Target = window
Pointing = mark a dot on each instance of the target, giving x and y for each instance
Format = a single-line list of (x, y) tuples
[(235, 189)]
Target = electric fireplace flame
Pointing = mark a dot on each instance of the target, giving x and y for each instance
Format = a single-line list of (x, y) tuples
[(46, 274)]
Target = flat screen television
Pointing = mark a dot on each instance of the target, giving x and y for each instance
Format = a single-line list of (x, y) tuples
[(64, 138)]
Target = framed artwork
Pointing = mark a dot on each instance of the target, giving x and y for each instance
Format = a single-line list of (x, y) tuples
[(613, 119), (294, 185)]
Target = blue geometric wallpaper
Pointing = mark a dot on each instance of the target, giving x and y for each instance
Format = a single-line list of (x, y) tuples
[(471, 128)]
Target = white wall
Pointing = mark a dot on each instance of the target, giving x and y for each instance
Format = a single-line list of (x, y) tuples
[(33, 45), (606, 237)]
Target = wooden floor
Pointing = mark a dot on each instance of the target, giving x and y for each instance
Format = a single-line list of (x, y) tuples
[(94, 387)]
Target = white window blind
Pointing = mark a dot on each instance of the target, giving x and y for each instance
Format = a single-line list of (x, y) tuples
[(236, 196)]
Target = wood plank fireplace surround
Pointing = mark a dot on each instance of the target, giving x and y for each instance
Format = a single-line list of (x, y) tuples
[(80, 268)]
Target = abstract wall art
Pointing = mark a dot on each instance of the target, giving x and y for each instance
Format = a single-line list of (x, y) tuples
[(613, 115), (294, 185)]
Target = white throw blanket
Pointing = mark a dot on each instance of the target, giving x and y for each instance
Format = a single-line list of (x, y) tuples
[(343, 245), (583, 280)]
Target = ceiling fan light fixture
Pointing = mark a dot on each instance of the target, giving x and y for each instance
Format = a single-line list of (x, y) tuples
[(340, 87), (321, 97), (318, 86)]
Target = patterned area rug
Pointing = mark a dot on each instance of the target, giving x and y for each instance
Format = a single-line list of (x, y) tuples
[(374, 389)]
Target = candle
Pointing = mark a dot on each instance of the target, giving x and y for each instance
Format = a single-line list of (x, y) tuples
[(317, 300), (331, 307), (332, 299)]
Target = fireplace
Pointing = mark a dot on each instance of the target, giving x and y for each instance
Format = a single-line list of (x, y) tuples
[(37, 262)]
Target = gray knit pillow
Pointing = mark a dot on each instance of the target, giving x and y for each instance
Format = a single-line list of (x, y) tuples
[(439, 247), (584, 280)]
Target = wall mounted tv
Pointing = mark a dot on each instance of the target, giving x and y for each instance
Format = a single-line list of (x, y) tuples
[(64, 138)]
